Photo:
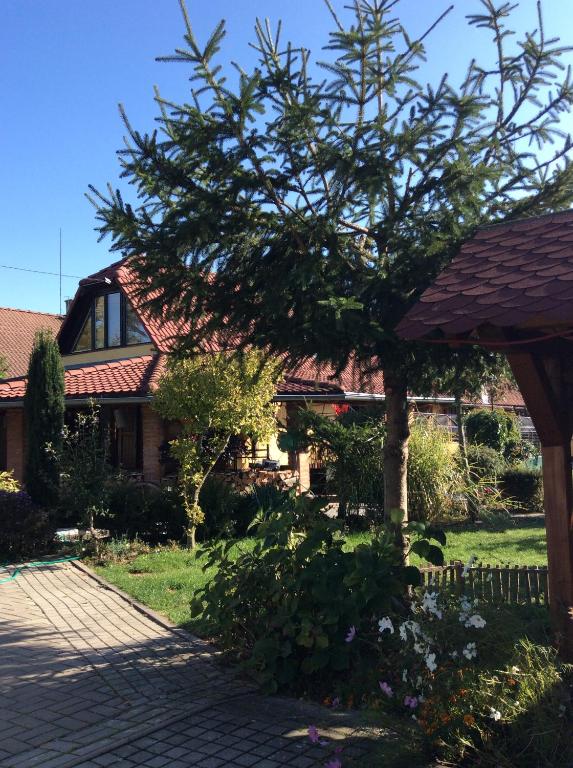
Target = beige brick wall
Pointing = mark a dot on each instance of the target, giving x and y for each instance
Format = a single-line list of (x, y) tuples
[(153, 434)]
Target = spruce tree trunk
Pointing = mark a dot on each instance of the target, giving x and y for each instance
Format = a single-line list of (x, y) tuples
[(396, 451)]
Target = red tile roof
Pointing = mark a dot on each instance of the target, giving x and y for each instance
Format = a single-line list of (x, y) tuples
[(506, 275), (133, 377), (17, 330), (138, 376)]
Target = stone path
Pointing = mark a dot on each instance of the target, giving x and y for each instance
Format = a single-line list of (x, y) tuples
[(87, 680)]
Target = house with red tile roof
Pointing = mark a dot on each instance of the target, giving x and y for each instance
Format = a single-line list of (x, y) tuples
[(114, 351)]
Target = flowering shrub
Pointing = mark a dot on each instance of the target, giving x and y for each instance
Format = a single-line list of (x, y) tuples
[(293, 605), (473, 694), (24, 528)]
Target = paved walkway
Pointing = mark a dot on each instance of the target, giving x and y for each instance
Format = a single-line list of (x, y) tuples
[(87, 680)]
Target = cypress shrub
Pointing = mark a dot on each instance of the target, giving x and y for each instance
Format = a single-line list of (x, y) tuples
[(44, 417), (524, 486)]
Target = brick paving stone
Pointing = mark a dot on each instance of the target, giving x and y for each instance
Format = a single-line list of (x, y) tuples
[(88, 681)]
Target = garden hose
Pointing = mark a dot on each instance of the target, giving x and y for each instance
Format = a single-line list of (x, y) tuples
[(38, 564)]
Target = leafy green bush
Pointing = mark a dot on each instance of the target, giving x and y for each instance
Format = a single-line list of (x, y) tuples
[(351, 448), (484, 462), (435, 478), (524, 486), (497, 429), (8, 483), (25, 529), (85, 472), (286, 606), (144, 511)]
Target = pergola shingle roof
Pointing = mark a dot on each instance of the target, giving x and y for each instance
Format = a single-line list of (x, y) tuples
[(508, 275)]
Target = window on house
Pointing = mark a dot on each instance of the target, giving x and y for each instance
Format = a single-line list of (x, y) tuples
[(114, 320), (84, 341), (134, 330), (99, 322), (110, 322)]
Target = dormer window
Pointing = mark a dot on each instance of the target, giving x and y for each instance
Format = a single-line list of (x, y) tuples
[(110, 322)]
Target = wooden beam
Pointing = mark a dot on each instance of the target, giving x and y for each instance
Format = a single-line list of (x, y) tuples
[(557, 501), (542, 397), (541, 381)]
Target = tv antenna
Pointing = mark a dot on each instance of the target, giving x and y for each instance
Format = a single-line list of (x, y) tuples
[(60, 271)]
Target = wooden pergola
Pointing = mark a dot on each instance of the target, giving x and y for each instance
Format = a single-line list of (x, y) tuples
[(511, 288)]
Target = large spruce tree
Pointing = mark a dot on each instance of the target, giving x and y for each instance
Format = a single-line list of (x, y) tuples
[(308, 213), (44, 419)]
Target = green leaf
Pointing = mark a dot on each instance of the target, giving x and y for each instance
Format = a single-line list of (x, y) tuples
[(397, 516)]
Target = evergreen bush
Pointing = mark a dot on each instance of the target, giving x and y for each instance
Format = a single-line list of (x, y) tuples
[(44, 417), (523, 485), (484, 463)]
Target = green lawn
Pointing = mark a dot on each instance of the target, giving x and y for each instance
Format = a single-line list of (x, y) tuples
[(166, 580)]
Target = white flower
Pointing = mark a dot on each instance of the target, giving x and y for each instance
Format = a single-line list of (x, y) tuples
[(515, 670), (419, 648), (495, 714), (414, 628), (465, 605), (386, 624), (404, 675), (476, 621), (470, 651), (429, 604), (431, 662), (562, 710), (454, 654)]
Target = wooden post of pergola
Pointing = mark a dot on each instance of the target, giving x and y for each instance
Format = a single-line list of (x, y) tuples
[(544, 379), (511, 288)]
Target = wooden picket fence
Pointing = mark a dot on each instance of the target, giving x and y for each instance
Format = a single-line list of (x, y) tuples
[(520, 584)]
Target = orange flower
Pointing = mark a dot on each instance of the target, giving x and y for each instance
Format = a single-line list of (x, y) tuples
[(445, 719), (469, 720), (327, 701), (462, 692), (511, 681)]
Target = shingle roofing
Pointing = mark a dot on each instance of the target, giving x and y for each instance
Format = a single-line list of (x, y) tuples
[(507, 275), (17, 330)]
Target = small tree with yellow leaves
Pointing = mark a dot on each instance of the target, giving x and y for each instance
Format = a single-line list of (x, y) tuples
[(214, 396)]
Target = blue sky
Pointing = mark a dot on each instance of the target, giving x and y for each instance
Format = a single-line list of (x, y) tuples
[(66, 64)]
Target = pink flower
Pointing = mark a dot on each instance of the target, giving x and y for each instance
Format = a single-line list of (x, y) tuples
[(313, 734), (351, 634), (410, 701), (334, 763), (385, 688)]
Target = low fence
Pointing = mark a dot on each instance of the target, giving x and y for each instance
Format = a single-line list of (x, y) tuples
[(520, 584)]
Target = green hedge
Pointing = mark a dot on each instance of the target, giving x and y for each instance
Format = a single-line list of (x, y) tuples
[(525, 486)]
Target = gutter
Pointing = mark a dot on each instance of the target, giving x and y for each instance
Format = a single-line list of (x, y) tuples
[(86, 401), (357, 397)]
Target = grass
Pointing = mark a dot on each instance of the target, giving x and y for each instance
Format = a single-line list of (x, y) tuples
[(166, 579)]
